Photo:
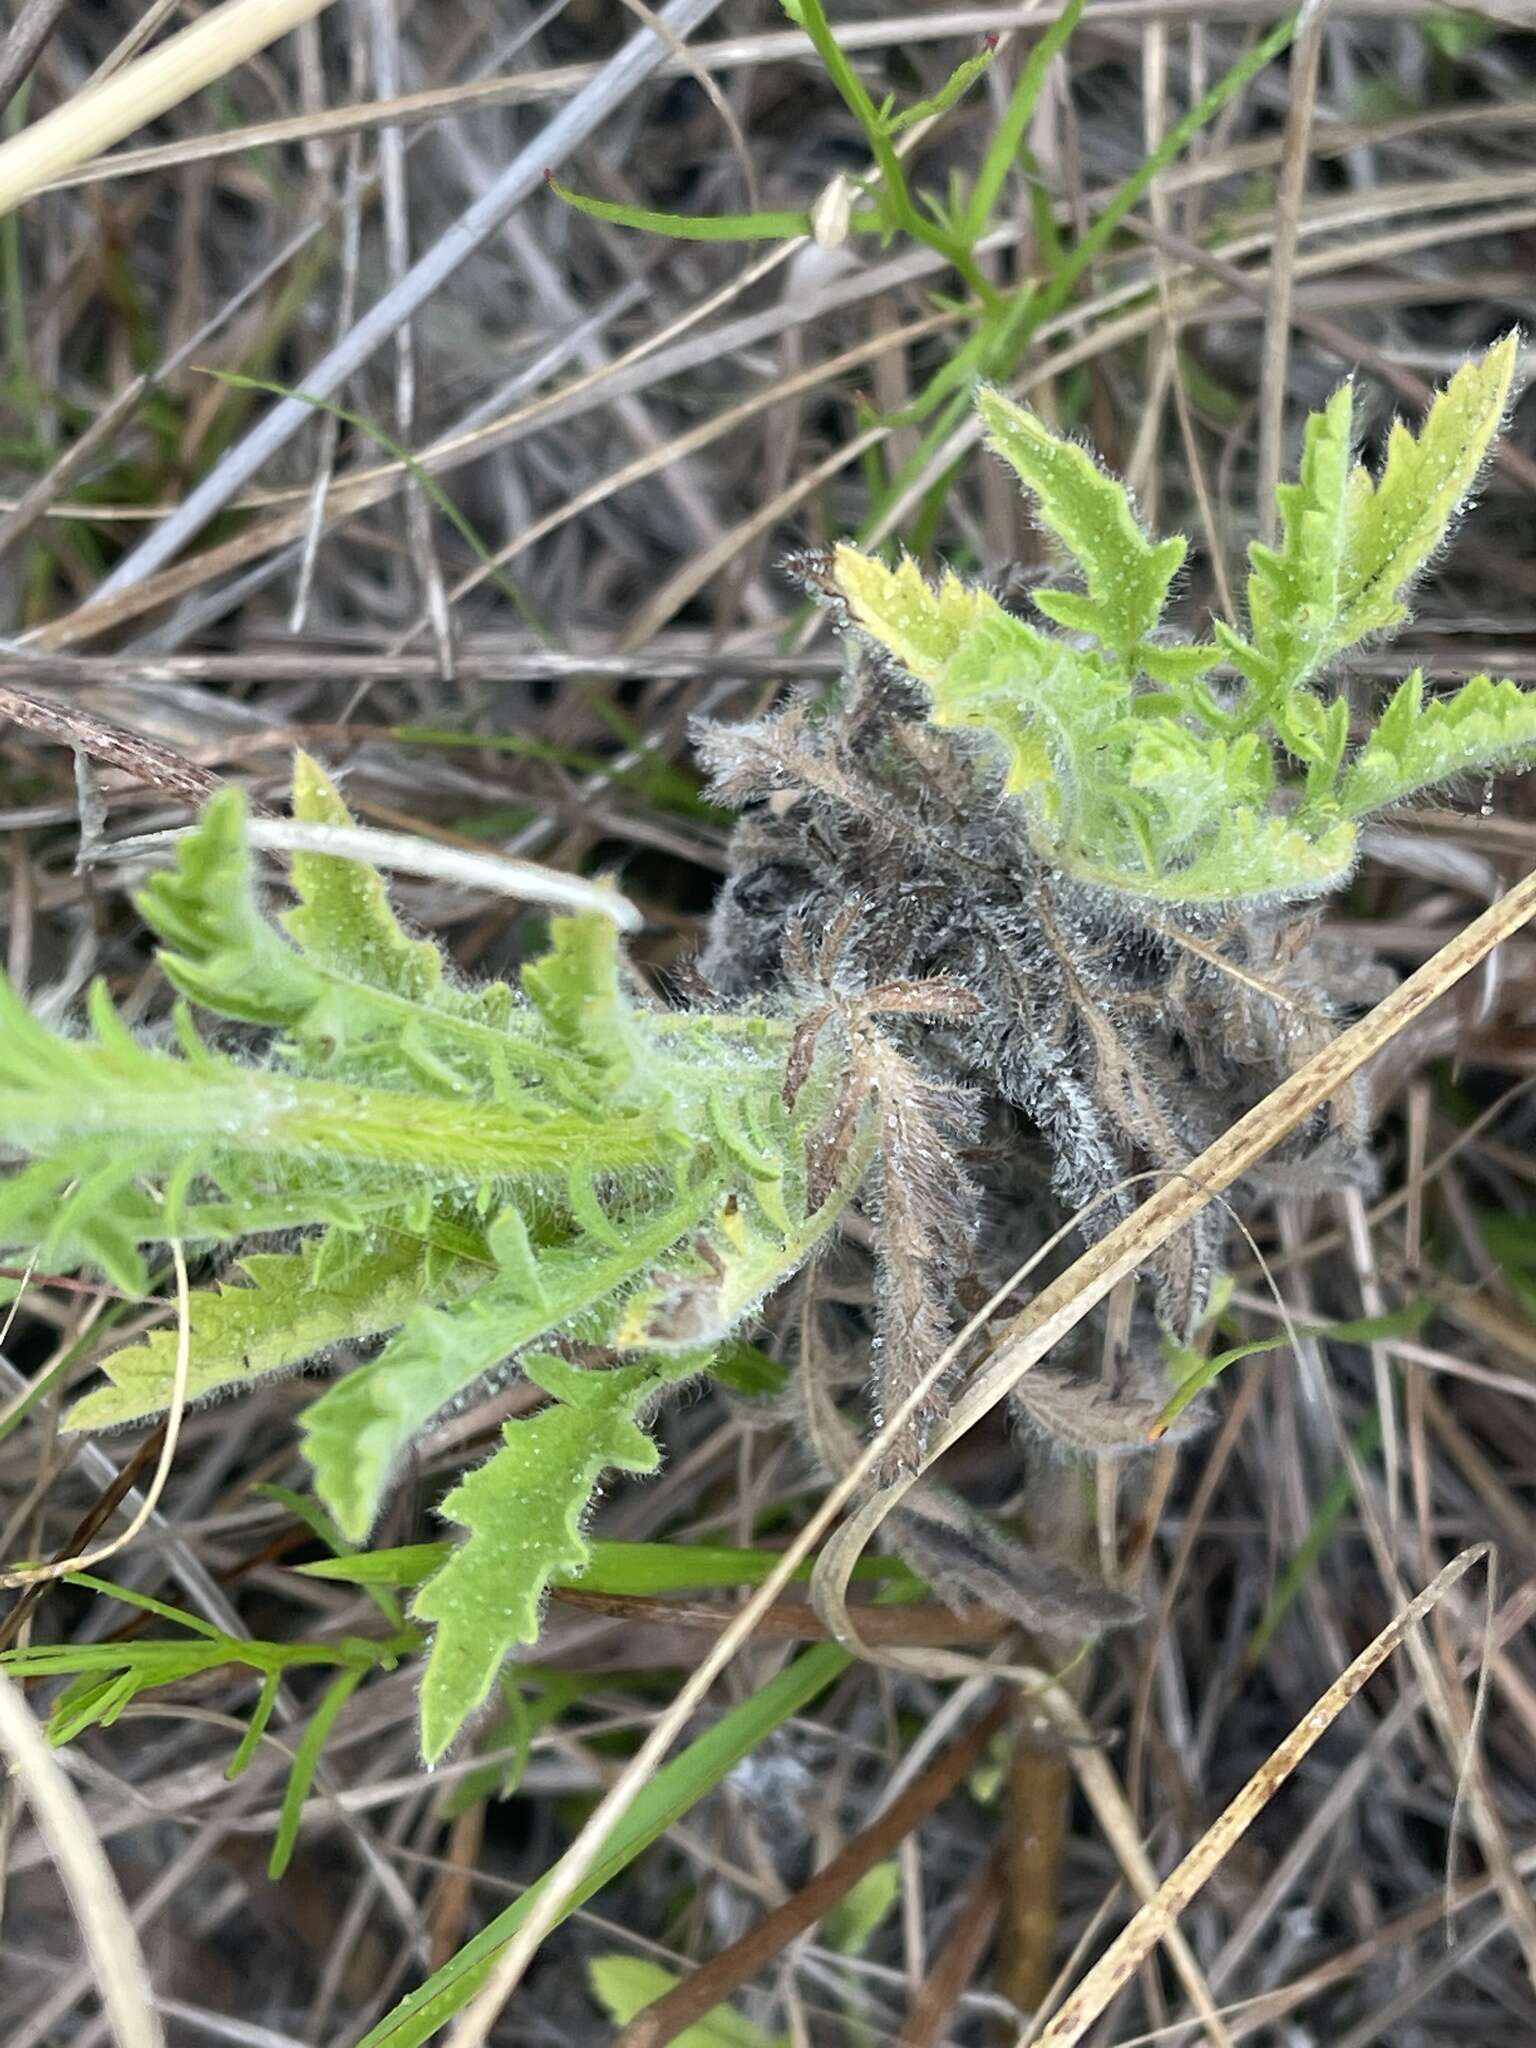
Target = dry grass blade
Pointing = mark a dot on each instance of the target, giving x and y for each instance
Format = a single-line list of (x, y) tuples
[(23, 43), (101, 115), (1305, 66), (1152, 1923), (933, 2005), (1056, 1311), (32, 1576), (110, 1941), (594, 103), (461, 867), (715, 1980), (145, 760)]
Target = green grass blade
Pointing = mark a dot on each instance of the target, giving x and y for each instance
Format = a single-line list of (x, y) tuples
[(694, 227), (1173, 145), (1313, 1544), (261, 1714), (1003, 150), (677, 1787), (397, 452), (146, 1605), (949, 94), (642, 1568), (1403, 1322), (305, 1764)]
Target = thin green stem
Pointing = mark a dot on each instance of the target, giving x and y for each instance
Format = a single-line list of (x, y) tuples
[(904, 211), (1173, 144)]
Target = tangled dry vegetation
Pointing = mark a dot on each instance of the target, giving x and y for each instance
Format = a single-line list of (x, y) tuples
[(329, 425)]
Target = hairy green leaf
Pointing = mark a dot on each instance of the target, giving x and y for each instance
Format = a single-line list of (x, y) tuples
[(523, 1512), (1090, 513), (1484, 726), (1048, 705), (344, 919), (575, 989), (1138, 778), (1295, 592), (285, 1312), (643, 1181), (218, 948), (355, 995), (1396, 523), (1144, 805), (488, 1596), (355, 1433), (1351, 545)]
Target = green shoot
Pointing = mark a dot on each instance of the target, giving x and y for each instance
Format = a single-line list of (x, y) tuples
[(677, 1786), (1136, 774), (496, 1176)]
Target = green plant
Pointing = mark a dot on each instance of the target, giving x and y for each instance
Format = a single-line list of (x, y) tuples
[(1054, 866), (1003, 319), (1112, 843), (1135, 773), (492, 1175)]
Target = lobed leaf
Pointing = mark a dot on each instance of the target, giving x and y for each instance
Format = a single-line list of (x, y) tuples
[(1090, 513), (1396, 523), (575, 989), (286, 1311), (1295, 592), (1247, 853), (523, 1512), (344, 919), (1483, 726), (135, 1109), (357, 1431), (219, 949), (1046, 704), (354, 994), (1352, 546)]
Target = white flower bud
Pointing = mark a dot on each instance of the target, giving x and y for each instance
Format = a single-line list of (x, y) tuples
[(830, 214)]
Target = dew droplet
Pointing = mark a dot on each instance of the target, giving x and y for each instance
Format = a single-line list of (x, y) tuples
[(1485, 809)]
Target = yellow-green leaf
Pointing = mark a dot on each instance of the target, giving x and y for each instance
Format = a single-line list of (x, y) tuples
[(1090, 513)]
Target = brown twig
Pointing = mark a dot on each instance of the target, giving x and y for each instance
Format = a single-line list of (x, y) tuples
[(85, 1530), (454, 1892), (144, 759), (1039, 1800), (714, 1981), (957, 1960)]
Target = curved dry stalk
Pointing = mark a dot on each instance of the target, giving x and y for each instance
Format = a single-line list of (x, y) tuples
[(464, 867), (1126, 1953), (87, 1560), (59, 1811), (94, 119), (1043, 1324)]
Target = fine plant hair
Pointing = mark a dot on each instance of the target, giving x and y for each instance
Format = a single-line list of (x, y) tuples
[(1022, 914), (1111, 861)]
